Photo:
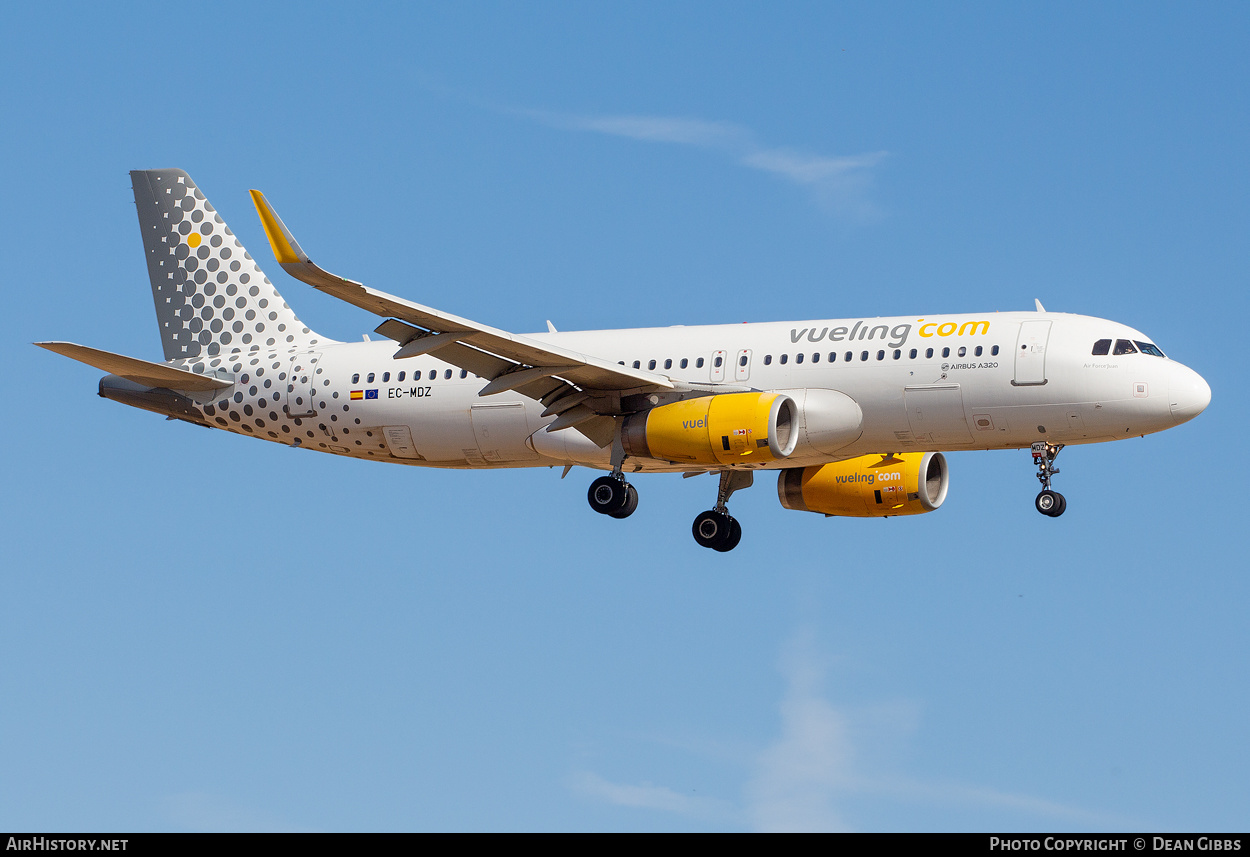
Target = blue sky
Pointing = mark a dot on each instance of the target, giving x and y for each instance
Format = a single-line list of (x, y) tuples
[(202, 632)]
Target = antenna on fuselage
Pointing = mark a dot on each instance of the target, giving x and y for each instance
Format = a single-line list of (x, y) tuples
[(1040, 308)]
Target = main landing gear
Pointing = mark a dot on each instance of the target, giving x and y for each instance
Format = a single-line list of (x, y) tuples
[(716, 528), (1048, 502), (613, 496)]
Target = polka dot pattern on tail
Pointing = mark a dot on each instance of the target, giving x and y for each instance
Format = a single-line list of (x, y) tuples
[(193, 258)]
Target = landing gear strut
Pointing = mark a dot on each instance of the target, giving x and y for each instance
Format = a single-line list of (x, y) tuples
[(612, 495), (716, 528), (1048, 502)]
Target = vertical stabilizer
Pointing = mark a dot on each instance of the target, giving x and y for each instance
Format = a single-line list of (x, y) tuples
[(211, 296)]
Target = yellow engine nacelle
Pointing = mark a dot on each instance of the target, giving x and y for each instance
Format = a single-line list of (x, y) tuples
[(732, 428), (871, 486)]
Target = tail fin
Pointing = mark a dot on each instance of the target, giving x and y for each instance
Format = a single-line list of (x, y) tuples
[(211, 296)]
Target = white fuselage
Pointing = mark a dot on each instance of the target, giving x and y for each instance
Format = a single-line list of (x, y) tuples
[(992, 381)]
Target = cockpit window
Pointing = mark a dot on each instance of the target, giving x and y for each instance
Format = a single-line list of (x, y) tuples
[(1123, 346), (1148, 348), (1101, 347)]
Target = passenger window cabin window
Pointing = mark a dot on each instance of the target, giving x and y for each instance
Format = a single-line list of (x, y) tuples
[(464, 373), (768, 360), (447, 375), (785, 358), (833, 357), (978, 351), (698, 363), (1123, 346), (928, 352), (369, 380), (720, 361), (816, 358), (911, 355), (1101, 347), (637, 364), (668, 363), (684, 363), (356, 378), (433, 374), (946, 352), (401, 376), (994, 351), (963, 351), (1148, 348), (742, 361), (849, 356), (863, 355), (880, 355), (897, 353), (798, 358), (386, 376), (650, 364)]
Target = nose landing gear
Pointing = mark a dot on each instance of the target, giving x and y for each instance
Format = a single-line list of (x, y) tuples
[(1048, 502), (716, 528)]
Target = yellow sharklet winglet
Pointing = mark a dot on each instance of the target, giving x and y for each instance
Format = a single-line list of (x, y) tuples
[(284, 245)]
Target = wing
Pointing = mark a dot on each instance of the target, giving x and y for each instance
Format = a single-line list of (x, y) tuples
[(583, 390)]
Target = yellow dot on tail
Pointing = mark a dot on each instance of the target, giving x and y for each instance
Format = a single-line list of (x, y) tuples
[(193, 240)]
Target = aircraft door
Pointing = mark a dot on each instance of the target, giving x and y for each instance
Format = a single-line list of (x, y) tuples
[(501, 430), (718, 366), (742, 365), (300, 377), (1031, 353)]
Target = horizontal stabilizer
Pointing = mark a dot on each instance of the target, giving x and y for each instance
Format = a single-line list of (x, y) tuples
[(140, 371)]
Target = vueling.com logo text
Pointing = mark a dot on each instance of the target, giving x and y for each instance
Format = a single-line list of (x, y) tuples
[(968, 328), (897, 334)]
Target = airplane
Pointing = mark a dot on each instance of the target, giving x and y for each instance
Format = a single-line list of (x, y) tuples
[(853, 414)]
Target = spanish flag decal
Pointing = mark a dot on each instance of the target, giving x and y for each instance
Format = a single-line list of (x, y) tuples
[(357, 394)]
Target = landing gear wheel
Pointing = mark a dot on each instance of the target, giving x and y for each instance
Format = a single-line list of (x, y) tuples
[(1051, 503), (631, 503), (717, 530), (732, 537), (608, 494)]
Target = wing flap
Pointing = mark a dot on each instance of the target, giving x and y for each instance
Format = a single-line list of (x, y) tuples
[(142, 372)]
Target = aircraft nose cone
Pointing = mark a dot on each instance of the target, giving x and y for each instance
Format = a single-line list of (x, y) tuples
[(1190, 394)]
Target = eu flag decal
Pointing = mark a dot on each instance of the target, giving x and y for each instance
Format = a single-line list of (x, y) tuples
[(371, 394)]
